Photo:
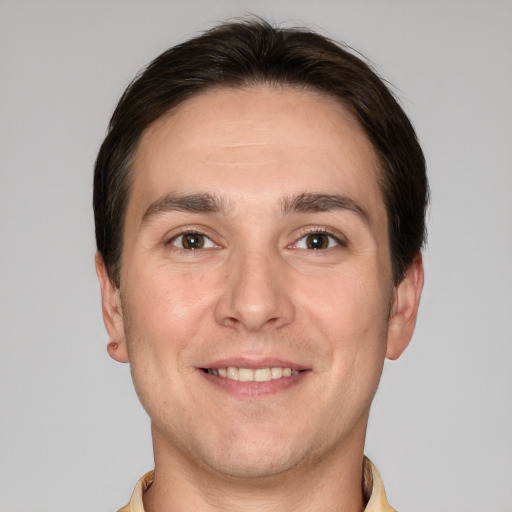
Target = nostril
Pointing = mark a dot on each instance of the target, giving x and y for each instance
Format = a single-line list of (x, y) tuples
[(230, 321), (252, 308)]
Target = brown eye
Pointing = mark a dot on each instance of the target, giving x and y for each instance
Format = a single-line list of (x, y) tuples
[(317, 241), (192, 241)]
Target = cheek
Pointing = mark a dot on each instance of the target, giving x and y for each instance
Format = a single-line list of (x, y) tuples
[(347, 302), (353, 323), (352, 326), (162, 298), (164, 312)]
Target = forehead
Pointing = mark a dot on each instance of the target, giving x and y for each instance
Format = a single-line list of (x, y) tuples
[(259, 141)]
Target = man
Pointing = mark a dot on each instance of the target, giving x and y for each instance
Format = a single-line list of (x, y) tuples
[(259, 204)]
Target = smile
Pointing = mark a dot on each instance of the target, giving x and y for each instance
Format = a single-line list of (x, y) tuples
[(252, 375)]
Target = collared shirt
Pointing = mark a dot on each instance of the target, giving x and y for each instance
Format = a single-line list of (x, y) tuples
[(373, 490)]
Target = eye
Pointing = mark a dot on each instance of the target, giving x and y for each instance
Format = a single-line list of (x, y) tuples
[(192, 241), (316, 241)]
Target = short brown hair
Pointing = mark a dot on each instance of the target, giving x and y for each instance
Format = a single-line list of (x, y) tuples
[(237, 54)]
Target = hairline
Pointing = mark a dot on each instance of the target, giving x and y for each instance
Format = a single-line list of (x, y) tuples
[(246, 83)]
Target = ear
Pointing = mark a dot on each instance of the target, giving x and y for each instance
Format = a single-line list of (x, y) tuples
[(405, 309), (112, 313)]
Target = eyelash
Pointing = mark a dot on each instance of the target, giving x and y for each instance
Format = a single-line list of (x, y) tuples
[(186, 232), (211, 244), (338, 239)]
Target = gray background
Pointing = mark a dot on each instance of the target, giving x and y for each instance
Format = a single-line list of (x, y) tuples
[(73, 436)]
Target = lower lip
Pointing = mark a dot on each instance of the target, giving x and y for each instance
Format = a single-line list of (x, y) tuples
[(254, 390)]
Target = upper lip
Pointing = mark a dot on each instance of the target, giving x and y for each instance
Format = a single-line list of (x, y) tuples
[(254, 363)]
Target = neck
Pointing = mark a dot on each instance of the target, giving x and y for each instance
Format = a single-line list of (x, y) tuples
[(330, 484)]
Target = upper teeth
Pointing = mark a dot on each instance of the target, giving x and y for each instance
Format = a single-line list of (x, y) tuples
[(250, 374)]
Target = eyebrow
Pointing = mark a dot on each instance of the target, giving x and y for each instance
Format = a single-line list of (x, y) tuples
[(312, 202), (192, 203), (210, 203)]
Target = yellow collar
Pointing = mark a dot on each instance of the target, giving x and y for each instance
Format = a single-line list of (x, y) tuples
[(372, 486)]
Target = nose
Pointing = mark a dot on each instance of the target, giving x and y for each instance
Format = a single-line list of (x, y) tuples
[(256, 295)]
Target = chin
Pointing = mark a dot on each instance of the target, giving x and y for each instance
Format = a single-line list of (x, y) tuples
[(260, 457), (251, 465)]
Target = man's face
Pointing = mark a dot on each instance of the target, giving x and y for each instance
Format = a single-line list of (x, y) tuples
[(255, 244)]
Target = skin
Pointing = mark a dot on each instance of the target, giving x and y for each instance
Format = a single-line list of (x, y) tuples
[(255, 293)]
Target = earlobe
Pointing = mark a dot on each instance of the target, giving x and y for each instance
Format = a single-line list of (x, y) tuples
[(117, 352), (405, 309), (112, 313)]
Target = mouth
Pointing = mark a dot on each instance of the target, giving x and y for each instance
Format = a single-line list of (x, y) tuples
[(253, 374), (250, 380)]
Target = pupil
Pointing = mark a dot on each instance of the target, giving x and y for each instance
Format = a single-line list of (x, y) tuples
[(317, 241), (193, 241)]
